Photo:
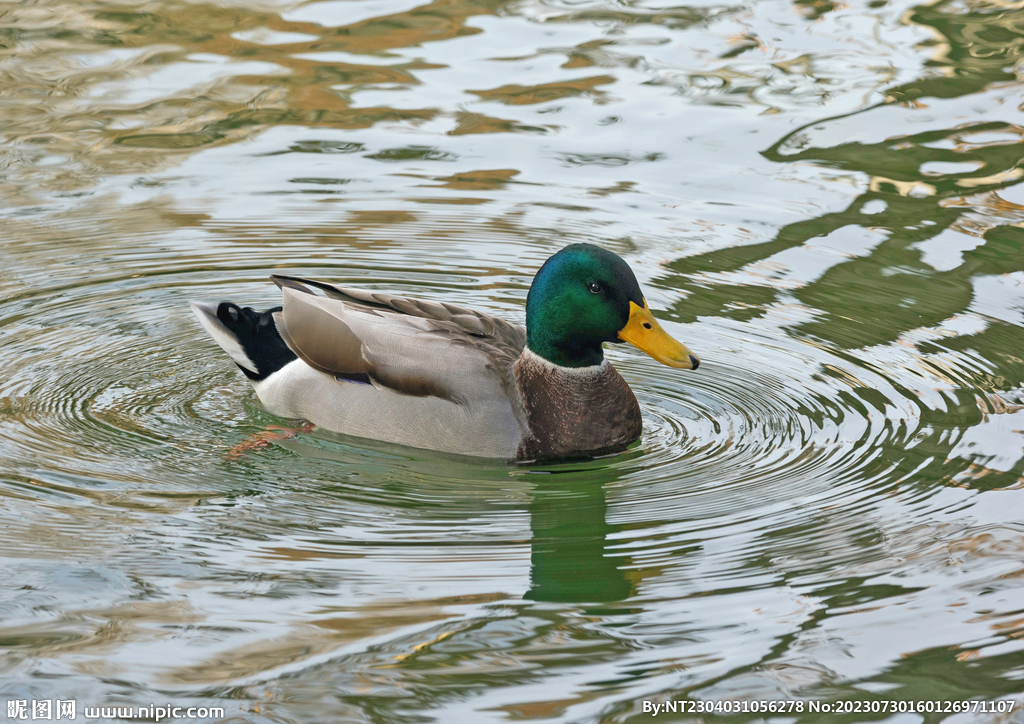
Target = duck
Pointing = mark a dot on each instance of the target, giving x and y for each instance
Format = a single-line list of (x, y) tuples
[(442, 377)]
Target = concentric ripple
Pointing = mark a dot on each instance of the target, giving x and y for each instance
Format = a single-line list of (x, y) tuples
[(780, 449)]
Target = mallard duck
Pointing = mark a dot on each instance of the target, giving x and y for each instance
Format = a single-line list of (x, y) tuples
[(437, 376)]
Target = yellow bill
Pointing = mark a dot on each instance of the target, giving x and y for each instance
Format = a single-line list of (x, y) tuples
[(643, 332)]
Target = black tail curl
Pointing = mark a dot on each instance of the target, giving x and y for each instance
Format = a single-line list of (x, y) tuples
[(258, 335)]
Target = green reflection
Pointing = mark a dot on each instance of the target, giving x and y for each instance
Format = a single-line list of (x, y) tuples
[(975, 45), (569, 556), (891, 281)]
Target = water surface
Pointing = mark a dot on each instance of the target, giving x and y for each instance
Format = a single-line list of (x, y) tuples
[(821, 199)]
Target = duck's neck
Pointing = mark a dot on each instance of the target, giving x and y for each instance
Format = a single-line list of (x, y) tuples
[(568, 354), (534, 359), (574, 411)]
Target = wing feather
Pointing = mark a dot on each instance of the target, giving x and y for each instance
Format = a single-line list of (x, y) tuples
[(412, 346)]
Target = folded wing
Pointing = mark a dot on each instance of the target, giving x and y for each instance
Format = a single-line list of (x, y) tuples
[(411, 346)]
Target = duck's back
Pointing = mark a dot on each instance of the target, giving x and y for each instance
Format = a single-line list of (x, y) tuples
[(400, 370)]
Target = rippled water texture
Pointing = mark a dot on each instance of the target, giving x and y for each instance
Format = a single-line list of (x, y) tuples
[(822, 199)]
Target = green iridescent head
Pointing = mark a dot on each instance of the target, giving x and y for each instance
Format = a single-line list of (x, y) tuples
[(584, 296)]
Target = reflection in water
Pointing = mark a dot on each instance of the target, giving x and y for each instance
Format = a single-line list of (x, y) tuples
[(570, 556), (830, 197)]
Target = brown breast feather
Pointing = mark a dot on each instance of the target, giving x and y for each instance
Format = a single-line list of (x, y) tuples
[(574, 413)]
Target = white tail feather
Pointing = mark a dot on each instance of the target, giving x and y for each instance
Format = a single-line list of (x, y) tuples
[(206, 313)]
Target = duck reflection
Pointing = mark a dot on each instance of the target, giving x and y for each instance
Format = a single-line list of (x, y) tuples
[(571, 558)]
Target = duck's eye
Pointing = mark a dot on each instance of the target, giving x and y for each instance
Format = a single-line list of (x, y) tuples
[(595, 287)]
